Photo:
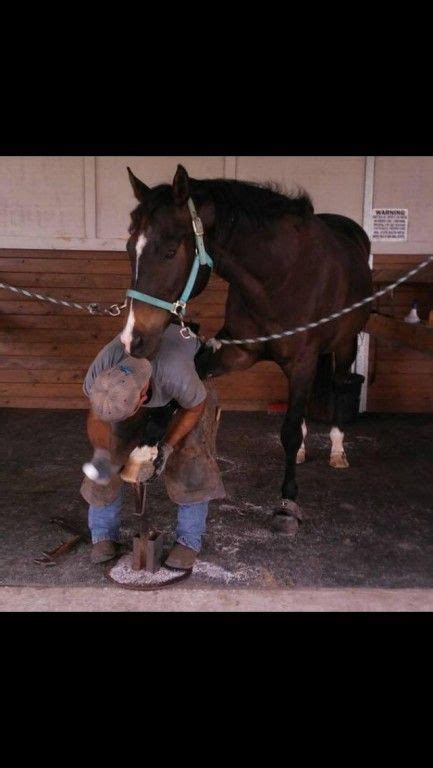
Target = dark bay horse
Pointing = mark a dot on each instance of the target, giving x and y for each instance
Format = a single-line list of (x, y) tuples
[(286, 266)]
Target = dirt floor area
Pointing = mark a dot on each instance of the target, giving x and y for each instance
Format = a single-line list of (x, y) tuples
[(368, 526)]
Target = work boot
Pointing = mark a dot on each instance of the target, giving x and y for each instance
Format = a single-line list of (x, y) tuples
[(181, 558), (102, 551)]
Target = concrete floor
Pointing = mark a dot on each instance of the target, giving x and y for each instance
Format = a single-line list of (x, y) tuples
[(104, 599), (367, 543)]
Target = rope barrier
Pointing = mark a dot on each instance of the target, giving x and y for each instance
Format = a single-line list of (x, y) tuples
[(115, 310)]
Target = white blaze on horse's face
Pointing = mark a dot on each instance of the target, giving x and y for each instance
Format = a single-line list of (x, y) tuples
[(126, 337), (139, 248)]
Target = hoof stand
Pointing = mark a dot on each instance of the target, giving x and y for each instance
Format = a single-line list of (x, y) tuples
[(147, 551)]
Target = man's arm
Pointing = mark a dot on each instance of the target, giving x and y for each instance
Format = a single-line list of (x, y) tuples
[(182, 423)]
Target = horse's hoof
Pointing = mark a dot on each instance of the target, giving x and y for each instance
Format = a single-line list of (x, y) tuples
[(339, 460), (300, 456), (286, 524), (286, 519)]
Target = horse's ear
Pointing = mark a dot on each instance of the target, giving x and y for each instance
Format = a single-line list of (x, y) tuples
[(181, 186), (140, 189)]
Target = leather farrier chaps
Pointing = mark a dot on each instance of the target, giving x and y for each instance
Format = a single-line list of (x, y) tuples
[(191, 474)]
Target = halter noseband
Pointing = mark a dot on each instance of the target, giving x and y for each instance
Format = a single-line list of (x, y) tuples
[(201, 258)]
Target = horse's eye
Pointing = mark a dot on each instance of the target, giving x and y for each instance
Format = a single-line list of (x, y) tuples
[(171, 253)]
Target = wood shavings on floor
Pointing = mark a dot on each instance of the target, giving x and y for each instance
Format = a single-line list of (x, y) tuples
[(122, 573)]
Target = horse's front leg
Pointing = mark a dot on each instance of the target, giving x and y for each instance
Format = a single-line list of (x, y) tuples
[(286, 518)]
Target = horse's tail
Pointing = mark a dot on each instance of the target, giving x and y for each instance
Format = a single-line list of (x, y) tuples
[(321, 403)]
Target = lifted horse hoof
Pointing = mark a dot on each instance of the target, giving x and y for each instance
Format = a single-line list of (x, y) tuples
[(286, 524)]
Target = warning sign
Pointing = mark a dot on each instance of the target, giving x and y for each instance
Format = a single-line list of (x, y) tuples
[(390, 224)]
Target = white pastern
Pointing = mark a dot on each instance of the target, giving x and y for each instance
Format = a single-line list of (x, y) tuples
[(300, 457), (338, 458), (126, 336)]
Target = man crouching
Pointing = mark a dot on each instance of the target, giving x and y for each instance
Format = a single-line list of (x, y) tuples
[(165, 404)]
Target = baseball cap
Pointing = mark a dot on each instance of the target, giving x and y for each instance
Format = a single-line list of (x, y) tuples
[(115, 392)]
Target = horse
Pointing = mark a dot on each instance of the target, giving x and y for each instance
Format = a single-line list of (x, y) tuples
[(285, 265)]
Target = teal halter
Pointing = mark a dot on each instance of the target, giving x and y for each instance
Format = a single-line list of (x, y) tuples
[(201, 258)]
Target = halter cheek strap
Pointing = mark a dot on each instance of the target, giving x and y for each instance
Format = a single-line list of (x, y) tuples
[(197, 226), (201, 258)]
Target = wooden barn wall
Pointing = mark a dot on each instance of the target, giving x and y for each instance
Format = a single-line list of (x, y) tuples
[(63, 223), (401, 379), (63, 231), (45, 351)]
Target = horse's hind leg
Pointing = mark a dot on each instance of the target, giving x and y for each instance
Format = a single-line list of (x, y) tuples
[(344, 358), (300, 456)]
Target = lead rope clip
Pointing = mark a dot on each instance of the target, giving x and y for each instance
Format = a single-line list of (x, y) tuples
[(179, 308), (185, 332), (115, 310)]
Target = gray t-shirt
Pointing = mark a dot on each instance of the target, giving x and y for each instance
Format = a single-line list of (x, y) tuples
[(173, 371)]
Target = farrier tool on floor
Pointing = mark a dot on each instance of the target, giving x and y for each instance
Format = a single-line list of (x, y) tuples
[(49, 558)]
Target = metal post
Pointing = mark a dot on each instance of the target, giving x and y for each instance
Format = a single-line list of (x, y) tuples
[(361, 362)]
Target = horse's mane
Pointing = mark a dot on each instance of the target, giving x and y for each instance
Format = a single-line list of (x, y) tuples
[(244, 203), (250, 204)]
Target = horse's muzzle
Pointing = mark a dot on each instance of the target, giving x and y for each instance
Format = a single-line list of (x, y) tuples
[(142, 346)]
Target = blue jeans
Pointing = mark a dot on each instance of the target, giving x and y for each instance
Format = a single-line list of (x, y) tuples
[(104, 522)]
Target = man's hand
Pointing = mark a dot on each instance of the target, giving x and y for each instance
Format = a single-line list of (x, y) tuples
[(183, 422), (164, 451)]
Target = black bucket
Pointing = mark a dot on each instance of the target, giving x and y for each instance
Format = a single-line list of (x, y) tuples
[(322, 407), (349, 394)]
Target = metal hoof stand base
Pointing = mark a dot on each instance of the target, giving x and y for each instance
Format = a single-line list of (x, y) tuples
[(147, 551), (147, 544), (142, 569)]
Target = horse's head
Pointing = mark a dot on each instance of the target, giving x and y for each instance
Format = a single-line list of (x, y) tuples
[(161, 249)]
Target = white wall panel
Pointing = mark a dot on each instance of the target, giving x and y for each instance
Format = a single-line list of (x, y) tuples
[(41, 197), (335, 184), (406, 182), (84, 203)]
